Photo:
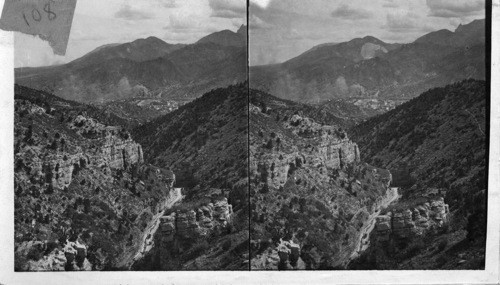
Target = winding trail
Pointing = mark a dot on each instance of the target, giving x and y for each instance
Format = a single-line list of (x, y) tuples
[(364, 237), (148, 234)]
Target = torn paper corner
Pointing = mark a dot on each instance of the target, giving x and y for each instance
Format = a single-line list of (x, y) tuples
[(51, 20)]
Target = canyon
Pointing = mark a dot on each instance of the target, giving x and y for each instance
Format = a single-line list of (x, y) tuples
[(176, 173), (87, 200), (434, 145), (309, 189)]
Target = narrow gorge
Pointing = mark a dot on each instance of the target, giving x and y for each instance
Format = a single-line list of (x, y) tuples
[(311, 196), (87, 200)]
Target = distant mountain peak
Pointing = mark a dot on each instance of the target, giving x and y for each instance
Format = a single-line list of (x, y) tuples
[(371, 38), (473, 26), (366, 39), (138, 50), (226, 38), (468, 34), (242, 30), (154, 39)]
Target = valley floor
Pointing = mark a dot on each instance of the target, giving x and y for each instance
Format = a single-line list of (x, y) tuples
[(147, 240), (364, 237)]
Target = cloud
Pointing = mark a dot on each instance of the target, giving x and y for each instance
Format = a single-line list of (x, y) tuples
[(183, 27), (228, 8), (454, 22), (345, 12), (293, 34), (404, 23), (94, 38), (455, 8), (128, 13), (179, 23), (390, 4), (168, 3), (238, 22), (257, 23), (26, 55), (260, 3)]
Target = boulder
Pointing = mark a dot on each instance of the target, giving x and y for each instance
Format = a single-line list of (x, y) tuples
[(283, 253), (70, 252), (81, 251)]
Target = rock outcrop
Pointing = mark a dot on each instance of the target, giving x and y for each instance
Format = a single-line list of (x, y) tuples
[(329, 152), (337, 153), (289, 254), (407, 236), (76, 256), (111, 150), (116, 148), (414, 221), (196, 223), (178, 229), (118, 153), (71, 257)]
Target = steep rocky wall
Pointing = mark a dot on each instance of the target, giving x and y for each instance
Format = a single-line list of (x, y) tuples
[(414, 221), (330, 153), (79, 186), (118, 153), (196, 222), (72, 257), (336, 153), (177, 231), (58, 169), (116, 148)]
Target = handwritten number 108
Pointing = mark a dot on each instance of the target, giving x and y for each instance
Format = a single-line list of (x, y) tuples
[(37, 16)]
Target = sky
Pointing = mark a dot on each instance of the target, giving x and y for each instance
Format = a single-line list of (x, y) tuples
[(279, 29), (285, 28), (99, 22)]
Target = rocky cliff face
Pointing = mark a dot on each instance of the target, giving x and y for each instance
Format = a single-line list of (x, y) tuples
[(118, 153), (112, 148), (117, 150), (412, 236), (196, 223), (83, 195), (181, 227), (72, 257), (410, 222), (326, 150), (330, 154)]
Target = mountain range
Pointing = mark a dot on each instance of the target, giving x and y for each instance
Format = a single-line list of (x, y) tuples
[(369, 72), (146, 67)]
